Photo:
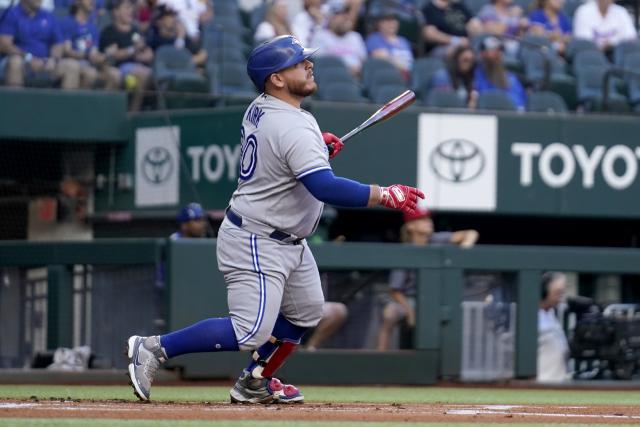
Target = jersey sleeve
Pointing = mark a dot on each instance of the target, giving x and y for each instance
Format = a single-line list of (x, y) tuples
[(304, 151)]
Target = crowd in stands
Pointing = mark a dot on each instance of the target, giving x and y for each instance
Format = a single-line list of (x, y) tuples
[(541, 55)]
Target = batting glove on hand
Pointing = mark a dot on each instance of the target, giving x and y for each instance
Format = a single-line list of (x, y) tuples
[(400, 197), (333, 144)]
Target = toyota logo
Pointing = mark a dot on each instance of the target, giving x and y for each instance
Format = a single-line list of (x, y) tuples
[(157, 165), (457, 160)]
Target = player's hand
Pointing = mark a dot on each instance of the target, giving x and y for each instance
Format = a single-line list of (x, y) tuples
[(333, 144), (400, 197)]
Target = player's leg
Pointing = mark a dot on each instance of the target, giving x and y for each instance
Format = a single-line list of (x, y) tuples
[(334, 314), (392, 314)]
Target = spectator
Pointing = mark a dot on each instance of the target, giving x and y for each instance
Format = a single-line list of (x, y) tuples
[(32, 40), (193, 14), (386, 43), (144, 14), (458, 76), (309, 21), (334, 314), (126, 49), (81, 43), (276, 22), (491, 73), (166, 30), (604, 23), (192, 222), (553, 349), (417, 230), (449, 24), (549, 20), (502, 17), (340, 40)]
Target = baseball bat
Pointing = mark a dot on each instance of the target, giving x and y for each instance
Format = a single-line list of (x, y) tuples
[(385, 112)]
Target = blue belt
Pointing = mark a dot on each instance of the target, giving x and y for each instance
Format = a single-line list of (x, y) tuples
[(275, 234)]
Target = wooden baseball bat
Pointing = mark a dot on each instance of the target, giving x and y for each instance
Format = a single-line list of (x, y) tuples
[(385, 112)]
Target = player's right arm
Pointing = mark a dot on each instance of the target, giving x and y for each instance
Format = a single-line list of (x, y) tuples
[(343, 192)]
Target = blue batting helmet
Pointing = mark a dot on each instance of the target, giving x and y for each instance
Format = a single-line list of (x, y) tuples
[(190, 212), (275, 55)]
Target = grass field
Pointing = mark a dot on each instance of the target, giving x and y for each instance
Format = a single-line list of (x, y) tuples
[(201, 396)]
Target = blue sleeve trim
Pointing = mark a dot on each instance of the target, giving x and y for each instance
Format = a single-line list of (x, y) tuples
[(337, 191)]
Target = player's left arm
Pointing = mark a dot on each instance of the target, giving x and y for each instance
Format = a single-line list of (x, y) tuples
[(465, 238)]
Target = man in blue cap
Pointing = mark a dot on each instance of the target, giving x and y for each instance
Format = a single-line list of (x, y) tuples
[(193, 223), (273, 283)]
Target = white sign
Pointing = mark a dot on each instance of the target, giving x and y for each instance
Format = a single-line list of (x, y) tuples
[(157, 166), (577, 158), (457, 161)]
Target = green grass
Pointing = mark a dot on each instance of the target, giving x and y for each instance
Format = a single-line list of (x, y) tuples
[(21, 422), (341, 394)]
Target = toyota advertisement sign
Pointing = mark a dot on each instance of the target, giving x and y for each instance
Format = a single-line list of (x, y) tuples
[(457, 156)]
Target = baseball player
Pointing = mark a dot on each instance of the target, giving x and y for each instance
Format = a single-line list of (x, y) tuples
[(192, 221), (273, 284)]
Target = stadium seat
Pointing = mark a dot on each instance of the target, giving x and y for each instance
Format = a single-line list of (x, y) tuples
[(226, 54), (570, 7), (546, 102), (174, 71), (234, 81), (634, 92), (443, 99), (374, 65), (341, 92), (589, 58), (474, 6), (423, 71), (384, 93), (578, 45), (385, 77), (220, 41), (322, 62), (623, 49), (338, 74), (565, 86), (535, 65), (590, 81), (495, 100)]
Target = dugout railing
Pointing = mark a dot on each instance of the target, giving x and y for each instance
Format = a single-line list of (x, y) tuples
[(193, 289)]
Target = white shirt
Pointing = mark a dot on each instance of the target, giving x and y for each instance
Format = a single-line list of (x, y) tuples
[(265, 31), (614, 27), (553, 349), (349, 47), (304, 28), (189, 12)]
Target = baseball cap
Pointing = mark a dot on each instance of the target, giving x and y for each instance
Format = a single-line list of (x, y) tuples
[(164, 10), (337, 6), (419, 213), (491, 42), (190, 212)]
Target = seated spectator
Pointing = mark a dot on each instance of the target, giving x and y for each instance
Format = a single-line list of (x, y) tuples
[(125, 48), (192, 221), (491, 74), (386, 43), (334, 314), (193, 14), (604, 23), (448, 24), (503, 17), (166, 30), (417, 230), (144, 14), (553, 349), (549, 20), (458, 76), (309, 21), (81, 43), (32, 40), (340, 40), (276, 22)]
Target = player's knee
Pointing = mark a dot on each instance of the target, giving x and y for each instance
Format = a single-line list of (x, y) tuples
[(390, 314), (250, 341)]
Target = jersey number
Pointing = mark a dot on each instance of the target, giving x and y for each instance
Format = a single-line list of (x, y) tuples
[(248, 155)]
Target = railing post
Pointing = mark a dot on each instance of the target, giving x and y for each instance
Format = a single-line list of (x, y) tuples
[(526, 351), (450, 312), (59, 306)]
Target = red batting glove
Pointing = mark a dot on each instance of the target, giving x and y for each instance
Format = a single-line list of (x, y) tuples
[(333, 144), (400, 197)]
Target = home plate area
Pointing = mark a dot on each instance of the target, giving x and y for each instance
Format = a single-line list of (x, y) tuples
[(396, 412)]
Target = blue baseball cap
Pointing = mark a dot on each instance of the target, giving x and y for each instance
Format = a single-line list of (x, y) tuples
[(190, 212)]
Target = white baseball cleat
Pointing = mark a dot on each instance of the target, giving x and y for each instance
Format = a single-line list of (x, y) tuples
[(145, 357)]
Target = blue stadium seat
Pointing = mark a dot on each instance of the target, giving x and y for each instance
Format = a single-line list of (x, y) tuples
[(443, 99), (374, 65), (423, 71), (589, 58), (495, 100), (341, 92), (623, 49), (578, 45), (546, 102), (384, 93), (590, 84)]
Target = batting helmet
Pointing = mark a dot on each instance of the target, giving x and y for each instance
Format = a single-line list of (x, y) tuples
[(275, 55), (190, 212)]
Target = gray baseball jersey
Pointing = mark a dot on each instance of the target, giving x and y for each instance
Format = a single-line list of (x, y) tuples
[(280, 145), (266, 276)]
